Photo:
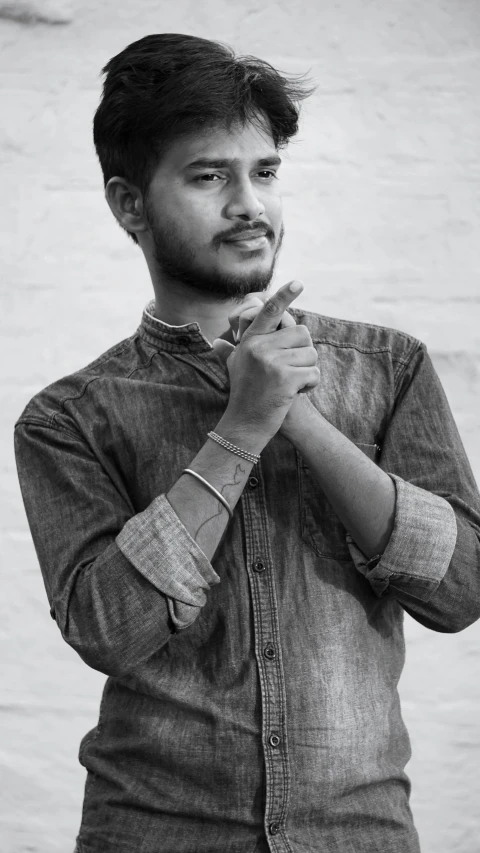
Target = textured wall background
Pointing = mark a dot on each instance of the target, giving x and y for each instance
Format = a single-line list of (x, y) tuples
[(382, 214)]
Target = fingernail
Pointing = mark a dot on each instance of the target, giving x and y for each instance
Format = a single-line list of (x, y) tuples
[(295, 286)]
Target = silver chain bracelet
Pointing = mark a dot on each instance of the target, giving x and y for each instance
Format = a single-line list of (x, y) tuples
[(251, 457)]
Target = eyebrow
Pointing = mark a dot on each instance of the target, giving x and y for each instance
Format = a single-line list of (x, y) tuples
[(224, 163)]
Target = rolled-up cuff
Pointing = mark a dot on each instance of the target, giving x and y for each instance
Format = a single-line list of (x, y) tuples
[(420, 547), (160, 547), (182, 615)]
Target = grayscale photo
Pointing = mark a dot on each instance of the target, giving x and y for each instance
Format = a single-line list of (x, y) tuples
[(241, 430)]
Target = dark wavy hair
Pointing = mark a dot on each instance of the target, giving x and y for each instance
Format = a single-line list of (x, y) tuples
[(167, 85)]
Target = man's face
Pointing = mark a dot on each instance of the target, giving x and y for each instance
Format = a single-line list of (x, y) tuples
[(194, 207)]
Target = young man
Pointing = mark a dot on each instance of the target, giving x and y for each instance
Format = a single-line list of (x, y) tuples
[(232, 533)]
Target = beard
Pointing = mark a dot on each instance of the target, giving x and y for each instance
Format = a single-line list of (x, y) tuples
[(176, 259)]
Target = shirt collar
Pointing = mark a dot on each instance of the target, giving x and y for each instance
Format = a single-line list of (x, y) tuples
[(187, 337)]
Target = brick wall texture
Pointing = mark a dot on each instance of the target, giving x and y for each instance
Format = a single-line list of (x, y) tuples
[(381, 204)]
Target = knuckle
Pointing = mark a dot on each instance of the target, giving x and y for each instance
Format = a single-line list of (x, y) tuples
[(271, 308), (255, 349), (254, 344), (305, 334), (271, 363)]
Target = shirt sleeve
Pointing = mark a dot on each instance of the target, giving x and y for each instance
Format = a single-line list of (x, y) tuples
[(157, 538), (431, 563), (118, 583)]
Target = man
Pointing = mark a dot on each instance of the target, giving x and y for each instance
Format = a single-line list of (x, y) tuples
[(230, 526)]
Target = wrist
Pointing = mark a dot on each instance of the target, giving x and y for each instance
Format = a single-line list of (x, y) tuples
[(300, 418), (246, 437)]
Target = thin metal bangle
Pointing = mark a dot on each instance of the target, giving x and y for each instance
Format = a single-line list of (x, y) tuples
[(212, 489)]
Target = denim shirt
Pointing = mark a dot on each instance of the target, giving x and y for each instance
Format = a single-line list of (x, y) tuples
[(251, 702)]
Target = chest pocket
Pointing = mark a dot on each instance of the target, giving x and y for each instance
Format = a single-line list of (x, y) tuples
[(321, 528)]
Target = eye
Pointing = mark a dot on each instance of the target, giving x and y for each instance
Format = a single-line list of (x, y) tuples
[(266, 174), (204, 178)]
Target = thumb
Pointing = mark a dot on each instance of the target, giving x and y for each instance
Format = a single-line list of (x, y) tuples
[(223, 349)]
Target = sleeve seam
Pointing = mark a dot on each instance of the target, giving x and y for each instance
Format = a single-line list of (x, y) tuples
[(417, 347), (49, 425), (399, 574)]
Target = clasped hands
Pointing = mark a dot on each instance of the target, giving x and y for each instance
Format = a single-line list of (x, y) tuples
[(239, 320)]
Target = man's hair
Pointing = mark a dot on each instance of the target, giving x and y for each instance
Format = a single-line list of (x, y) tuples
[(165, 86)]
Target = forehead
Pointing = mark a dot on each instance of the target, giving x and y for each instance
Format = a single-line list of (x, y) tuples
[(244, 144)]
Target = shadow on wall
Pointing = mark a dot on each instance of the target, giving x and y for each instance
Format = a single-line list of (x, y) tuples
[(37, 11)]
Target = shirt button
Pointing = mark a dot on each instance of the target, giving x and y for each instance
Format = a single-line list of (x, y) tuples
[(253, 482), (269, 652), (183, 341), (258, 566), (274, 740), (274, 828)]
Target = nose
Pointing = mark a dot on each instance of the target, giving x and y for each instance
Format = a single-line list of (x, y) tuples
[(244, 203)]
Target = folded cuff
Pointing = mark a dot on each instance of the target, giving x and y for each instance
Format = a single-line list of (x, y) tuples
[(182, 615), (160, 547), (420, 547)]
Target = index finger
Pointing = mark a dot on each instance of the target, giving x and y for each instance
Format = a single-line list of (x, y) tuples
[(268, 317)]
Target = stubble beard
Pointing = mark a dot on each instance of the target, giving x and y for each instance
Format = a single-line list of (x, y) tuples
[(176, 260)]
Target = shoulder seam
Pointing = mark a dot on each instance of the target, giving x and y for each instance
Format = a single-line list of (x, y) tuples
[(143, 366), (75, 396), (116, 350), (414, 343), (121, 347), (52, 421), (352, 322), (349, 345), (364, 350), (48, 424)]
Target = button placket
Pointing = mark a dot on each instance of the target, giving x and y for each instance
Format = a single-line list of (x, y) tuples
[(261, 575)]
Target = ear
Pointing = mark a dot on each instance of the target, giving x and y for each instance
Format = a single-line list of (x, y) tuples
[(223, 349), (126, 203)]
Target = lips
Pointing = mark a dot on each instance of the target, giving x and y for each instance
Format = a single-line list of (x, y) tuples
[(246, 235)]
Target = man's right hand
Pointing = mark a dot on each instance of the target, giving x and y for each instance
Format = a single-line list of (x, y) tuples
[(269, 367)]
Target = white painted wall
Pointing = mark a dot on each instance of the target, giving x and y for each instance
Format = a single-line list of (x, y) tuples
[(382, 209)]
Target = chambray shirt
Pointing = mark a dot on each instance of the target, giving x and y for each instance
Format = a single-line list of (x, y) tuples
[(251, 702)]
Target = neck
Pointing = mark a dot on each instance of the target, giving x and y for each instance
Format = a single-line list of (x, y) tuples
[(179, 304)]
